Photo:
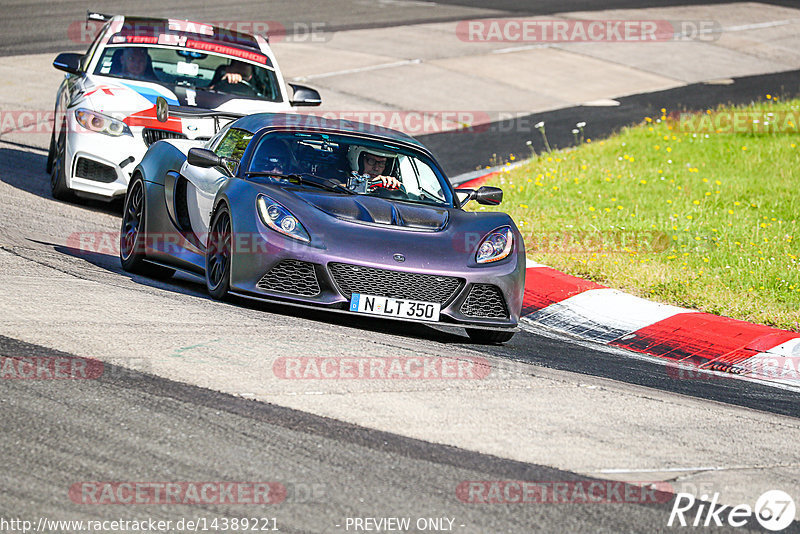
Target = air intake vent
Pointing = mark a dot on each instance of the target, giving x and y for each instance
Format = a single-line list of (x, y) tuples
[(292, 277), (151, 135), (396, 284), (485, 301), (94, 170)]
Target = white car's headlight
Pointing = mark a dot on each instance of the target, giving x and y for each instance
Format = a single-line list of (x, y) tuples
[(495, 246), (274, 215), (97, 122)]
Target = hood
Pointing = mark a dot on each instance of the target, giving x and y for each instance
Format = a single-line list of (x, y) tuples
[(134, 102), (117, 94), (374, 210)]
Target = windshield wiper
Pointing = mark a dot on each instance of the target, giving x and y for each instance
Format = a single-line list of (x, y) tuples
[(306, 179)]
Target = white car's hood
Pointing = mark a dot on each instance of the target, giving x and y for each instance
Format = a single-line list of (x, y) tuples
[(135, 103)]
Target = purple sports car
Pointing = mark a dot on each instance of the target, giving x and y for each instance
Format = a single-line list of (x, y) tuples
[(329, 214)]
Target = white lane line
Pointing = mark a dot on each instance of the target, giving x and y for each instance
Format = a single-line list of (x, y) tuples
[(664, 470), (739, 28), (760, 25), (689, 469), (521, 48), (359, 69)]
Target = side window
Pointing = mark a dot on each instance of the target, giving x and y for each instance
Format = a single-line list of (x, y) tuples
[(233, 145)]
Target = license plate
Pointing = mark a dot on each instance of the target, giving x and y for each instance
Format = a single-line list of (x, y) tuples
[(405, 309)]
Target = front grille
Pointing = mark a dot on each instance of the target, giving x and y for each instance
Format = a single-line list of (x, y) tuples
[(485, 300), (151, 135), (395, 284), (292, 277), (94, 170)]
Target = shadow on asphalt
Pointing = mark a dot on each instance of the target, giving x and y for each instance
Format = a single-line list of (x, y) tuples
[(25, 170), (187, 284)]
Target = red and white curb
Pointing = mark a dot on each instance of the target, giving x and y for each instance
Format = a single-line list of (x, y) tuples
[(687, 340)]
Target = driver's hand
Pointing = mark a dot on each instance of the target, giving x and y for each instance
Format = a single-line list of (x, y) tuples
[(232, 77), (389, 182)]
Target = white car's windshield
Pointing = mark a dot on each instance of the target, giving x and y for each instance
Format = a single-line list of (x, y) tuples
[(190, 69), (360, 165)]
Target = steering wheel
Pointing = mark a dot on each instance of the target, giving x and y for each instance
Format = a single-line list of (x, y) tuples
[(380, 190), (224, 86)]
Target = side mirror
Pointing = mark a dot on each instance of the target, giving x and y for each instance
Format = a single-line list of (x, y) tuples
[(202, 157), (68, 62), (464, 196), (304, 96), (490, 196)]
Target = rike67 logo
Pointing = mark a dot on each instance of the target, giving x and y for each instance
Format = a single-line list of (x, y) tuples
[(774, 511)]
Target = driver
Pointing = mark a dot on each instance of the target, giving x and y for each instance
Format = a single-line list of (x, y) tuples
[(279, 160), (237, 72), (376, 164), (136, 63)]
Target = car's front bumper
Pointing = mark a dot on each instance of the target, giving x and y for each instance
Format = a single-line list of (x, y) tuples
[(485, 295), (99, 165)]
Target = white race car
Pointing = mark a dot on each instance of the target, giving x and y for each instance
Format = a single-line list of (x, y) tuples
[(143, 80)]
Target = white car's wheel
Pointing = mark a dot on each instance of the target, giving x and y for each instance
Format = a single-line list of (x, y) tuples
[(57, 164)]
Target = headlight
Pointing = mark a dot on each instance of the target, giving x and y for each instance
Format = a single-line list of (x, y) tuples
[(97, 122), (495, 246), (280, 219)]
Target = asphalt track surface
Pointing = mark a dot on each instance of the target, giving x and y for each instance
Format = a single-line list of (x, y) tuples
[(130, 425), (134, 426), (33, 27), (86, 429)]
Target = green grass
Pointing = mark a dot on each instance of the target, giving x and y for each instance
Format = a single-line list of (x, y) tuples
[(706, 221)]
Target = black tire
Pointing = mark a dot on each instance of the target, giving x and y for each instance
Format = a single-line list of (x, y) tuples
[(132, 235), (218, 255), (57, 164), (486, 337), (52, 150)]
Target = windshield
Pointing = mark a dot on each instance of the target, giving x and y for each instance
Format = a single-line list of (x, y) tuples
[(191, 69), (364, 167)]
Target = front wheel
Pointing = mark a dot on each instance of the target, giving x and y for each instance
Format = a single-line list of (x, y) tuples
[(57, 165), (486, 337), (218, 255)]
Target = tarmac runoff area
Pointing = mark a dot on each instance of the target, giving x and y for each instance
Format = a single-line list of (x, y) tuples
[(431, 78), (58, 300)]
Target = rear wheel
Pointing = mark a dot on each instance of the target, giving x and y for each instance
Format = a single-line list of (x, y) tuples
[(132, 234), (57, 166), (218, 255), (486, 337)]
